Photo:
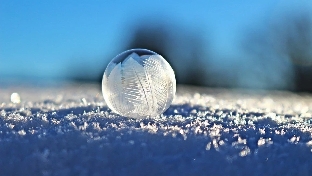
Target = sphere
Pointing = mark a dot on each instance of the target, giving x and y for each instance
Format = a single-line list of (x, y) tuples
[(138, 83)]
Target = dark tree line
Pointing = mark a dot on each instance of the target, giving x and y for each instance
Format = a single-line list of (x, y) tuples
[(277, 56), (181, 47), (284, 49)]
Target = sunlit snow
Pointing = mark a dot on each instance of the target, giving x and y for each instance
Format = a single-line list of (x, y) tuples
[(68, 130)]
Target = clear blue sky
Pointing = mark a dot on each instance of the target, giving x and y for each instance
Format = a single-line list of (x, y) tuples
[(41, 38)]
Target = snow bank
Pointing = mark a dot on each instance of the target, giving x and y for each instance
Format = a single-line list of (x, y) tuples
[(68, 130)]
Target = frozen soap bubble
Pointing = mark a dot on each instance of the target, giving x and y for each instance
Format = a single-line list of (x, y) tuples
[(138, 83)]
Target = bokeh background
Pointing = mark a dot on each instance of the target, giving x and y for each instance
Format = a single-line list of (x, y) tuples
[(234, 44)]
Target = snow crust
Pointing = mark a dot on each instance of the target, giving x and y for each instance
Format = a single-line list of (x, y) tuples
[(68, 130)]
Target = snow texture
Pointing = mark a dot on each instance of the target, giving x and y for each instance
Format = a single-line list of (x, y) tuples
[(68, 130)]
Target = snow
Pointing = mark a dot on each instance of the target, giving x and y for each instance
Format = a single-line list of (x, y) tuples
[(68, 130)]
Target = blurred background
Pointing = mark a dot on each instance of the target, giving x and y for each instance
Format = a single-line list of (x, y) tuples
[(243, 44)]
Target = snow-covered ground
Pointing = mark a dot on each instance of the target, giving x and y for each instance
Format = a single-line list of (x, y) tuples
[(68, 130)]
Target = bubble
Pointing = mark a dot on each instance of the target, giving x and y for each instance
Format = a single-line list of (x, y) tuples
[(138, 83)]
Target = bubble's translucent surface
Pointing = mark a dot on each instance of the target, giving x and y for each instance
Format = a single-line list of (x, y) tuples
[(138, 83)]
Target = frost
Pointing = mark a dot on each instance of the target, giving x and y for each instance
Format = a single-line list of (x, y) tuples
[(261, 141), (22, 132), (204, 132)]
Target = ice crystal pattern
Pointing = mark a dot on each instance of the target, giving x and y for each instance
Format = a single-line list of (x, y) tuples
[(139, 86)]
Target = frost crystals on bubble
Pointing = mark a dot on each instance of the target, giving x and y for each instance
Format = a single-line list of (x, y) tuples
[(138, 86)]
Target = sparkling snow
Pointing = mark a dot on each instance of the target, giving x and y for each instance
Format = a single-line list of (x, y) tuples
[(68, 130)]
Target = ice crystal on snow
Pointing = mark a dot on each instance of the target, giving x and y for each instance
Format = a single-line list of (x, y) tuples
[(15, 98)]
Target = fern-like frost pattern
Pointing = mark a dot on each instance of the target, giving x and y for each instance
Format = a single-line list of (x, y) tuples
[(139, 86)]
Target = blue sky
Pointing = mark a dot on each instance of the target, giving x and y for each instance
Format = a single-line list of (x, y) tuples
[(41, 38)]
